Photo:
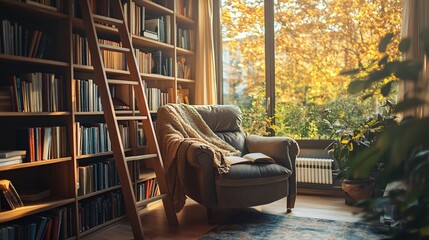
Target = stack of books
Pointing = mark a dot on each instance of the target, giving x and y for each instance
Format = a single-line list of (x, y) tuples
[(11, 157)]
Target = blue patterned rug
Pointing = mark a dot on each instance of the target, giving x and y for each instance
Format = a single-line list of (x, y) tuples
[(257, 225)]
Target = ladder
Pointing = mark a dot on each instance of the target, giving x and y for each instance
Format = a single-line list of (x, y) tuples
[(92, 23)]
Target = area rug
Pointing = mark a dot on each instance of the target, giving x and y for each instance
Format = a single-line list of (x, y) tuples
[(257, 225)]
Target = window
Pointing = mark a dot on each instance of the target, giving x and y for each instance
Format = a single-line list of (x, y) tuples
[(314, 40)]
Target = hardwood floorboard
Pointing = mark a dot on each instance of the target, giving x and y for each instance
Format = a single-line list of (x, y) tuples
[(193, 221)]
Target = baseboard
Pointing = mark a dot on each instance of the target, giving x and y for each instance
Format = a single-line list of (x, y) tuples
[(319, 189)]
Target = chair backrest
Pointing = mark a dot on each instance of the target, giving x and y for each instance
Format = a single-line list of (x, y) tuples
[(225, 121)]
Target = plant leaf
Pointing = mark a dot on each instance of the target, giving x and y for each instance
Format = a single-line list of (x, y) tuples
[(385, 90), (369, 95), (383, 61), (404, 45), (384, 42), (377, 75), (408, 70)]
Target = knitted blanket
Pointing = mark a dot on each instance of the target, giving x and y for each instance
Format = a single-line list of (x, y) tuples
[(177, 127)]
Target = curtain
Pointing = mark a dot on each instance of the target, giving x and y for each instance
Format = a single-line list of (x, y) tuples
[(205, 80), (415, 18)]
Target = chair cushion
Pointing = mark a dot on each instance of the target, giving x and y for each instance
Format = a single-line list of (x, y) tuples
[(250, 174)]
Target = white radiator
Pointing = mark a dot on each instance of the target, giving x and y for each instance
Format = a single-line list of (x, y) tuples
[(314, 170)]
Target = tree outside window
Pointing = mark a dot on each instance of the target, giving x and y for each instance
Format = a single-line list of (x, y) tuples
[(314, 41)]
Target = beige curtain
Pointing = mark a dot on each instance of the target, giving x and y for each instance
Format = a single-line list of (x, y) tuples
[(205, 86), (415, 18)]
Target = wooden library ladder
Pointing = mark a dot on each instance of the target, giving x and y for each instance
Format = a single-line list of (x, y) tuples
[(92, 23)]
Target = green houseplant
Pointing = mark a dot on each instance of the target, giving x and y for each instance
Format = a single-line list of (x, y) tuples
[(404, 147), (349, 143)]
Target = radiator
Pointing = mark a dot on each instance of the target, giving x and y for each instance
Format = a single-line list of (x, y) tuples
[(314, 170)]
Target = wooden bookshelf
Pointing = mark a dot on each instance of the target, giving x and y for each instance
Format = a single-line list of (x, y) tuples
[(59, 56)]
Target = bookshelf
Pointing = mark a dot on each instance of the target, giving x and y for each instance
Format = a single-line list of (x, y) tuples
[(48, 98)]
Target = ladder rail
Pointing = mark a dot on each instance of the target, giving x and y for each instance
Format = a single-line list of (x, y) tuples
[(135, 83), (106, 100), (148, 128)]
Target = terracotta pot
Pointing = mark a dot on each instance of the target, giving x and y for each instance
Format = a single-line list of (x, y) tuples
[(356, 190)]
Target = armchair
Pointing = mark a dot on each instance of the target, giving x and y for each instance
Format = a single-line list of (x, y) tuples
[(244, 185)]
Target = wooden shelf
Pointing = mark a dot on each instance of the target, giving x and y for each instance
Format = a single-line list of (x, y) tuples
[(35, 164), (183, 80), (146, 43), (154, 7), (96, 228), (31, 10), (98, 154), (157, 77), (33, 62), (186, 52), (98, 192), (60, 174), (33, 114), (185, 20), (29, 209)]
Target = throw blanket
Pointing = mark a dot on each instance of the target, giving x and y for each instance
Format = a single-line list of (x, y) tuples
[(177, 127)]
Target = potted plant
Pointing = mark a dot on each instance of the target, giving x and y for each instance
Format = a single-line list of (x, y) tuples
[(404, 147), (349, 143)]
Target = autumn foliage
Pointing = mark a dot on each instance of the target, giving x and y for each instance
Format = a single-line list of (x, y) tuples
[(314, 41)]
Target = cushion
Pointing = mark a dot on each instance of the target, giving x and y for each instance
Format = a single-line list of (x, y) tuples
[(250, 174)]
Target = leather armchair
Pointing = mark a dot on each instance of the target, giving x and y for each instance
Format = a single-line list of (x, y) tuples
[(244, 185)]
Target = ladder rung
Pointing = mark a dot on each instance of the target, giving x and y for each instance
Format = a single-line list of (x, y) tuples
[(104, 27), (145, 202), (130, 118), (122, 82), (140, 157), (108, 20), (114, 48)]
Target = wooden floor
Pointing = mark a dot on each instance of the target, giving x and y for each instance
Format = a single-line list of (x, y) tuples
[(193, 220)]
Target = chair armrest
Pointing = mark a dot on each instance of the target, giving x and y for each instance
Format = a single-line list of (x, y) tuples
[(200, 175), (282, 149)]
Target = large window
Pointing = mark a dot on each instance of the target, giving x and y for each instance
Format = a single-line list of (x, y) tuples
[(314, 40)]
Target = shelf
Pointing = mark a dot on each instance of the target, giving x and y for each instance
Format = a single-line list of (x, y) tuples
[(183, 80), (145, 175), (118, 112), (146, 43), (31, 10), (32, 209), (184, 20), (96, 228), (99, 154), (12, 60), (158, 77), (35, 164), (182, 51), (98, 192), (33, 114), (154, 7)]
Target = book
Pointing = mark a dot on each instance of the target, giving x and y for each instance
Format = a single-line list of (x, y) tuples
[(150, 34), (250, 158), (10, 194), (153, 25), (11, 153), (10, 161)]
